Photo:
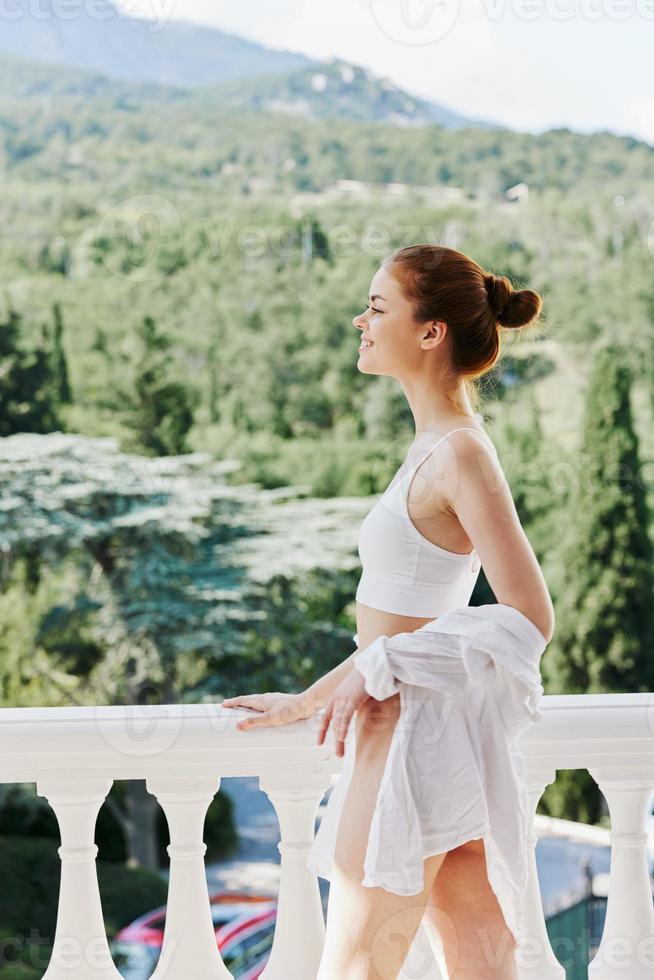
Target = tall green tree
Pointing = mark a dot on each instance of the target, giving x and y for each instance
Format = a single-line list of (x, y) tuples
[(28, 395), (59, 363), (160, 409), (605, 613), (213, 368)]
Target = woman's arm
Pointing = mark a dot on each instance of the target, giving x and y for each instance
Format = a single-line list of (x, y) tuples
[(321, 690), (477, 491), (277, 708)]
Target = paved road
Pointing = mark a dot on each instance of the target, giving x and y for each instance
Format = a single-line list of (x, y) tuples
[(255, 867)]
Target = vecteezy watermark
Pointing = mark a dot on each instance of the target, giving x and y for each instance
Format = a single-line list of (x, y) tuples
[(415, 22), (394, 940), (136, 731), (156, 12), (569, 9), (284, 240), (142, 238), (422, 22), (139, 237)]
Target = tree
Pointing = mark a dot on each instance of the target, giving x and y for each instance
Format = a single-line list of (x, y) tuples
[(59, 363), (213, 365), (28, 391), (161, 411), (315, 243), (605, 620), (170, 561)]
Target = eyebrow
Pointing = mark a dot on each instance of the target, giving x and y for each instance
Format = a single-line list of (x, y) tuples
[(376, 296)]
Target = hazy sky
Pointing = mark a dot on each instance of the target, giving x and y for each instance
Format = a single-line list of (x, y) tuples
[(529, 64)]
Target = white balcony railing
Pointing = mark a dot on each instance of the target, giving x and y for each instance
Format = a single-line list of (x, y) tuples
[(182, 751)]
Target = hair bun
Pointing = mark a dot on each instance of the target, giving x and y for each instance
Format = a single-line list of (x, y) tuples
[(511, 307)]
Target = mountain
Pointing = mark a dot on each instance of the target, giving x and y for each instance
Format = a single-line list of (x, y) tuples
[(229, 70), (132, 48), (338, 89), (22, 79)]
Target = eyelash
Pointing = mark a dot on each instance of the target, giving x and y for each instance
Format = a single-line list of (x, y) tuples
[(374, 310)]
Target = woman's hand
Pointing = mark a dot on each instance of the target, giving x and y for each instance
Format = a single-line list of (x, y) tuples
[(346, 698), (276, 708)]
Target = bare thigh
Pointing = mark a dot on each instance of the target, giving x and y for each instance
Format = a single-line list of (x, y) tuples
[(464, 916), (369, 929)]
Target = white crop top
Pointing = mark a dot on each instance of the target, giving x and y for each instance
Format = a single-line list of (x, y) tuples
[(404, 572)]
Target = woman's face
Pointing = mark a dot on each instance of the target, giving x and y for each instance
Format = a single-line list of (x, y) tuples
[(389, 325)]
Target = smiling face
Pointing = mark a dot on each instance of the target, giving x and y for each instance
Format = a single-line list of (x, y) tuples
[(392, 341)]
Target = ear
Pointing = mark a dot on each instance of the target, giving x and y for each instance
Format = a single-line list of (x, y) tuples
[(434, 331)]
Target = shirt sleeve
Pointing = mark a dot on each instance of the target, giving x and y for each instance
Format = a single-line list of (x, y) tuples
[(460, 648), (423, 659)]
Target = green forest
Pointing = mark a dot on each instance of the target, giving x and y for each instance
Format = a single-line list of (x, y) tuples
[(179, 278)]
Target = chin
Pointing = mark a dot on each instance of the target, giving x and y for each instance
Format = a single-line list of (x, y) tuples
[(366, 365), (364, 369), (369, 368)]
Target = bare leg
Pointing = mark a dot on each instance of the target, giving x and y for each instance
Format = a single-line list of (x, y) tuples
[(369, 930), (464, 910)]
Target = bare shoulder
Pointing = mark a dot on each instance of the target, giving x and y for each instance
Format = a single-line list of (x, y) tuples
[(461, 456), (471, 441), (472, 457), (478, 493)]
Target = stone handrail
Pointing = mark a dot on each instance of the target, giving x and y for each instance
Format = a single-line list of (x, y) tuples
[(182, 751)]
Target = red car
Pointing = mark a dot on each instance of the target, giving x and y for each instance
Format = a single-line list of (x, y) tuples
[(244, 924)]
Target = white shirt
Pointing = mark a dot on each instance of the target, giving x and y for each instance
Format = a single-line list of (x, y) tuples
[(469, 685)]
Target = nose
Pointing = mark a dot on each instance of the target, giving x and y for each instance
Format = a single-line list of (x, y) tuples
[(356, 321)]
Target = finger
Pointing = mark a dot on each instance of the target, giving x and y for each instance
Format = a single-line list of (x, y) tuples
[(340, 711), (262, 719), (331, 720), (325, 724), (243, 701), (231, 702), (341, 725)]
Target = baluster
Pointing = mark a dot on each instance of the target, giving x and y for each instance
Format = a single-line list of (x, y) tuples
[(627, 945), (535, 957), (80, 947), (300, 925), (189, 945)]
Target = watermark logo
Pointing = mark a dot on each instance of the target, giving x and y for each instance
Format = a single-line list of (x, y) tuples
[(139, 730), (139, 238), (415, 22), (155, 12)]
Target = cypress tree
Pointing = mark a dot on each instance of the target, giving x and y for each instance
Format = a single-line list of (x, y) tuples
[(214, 387), (28, 400), (604, 623), (59, 363), (161, 410), (605, 618)]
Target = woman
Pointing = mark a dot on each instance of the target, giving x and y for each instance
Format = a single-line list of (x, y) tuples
[(433, 323)]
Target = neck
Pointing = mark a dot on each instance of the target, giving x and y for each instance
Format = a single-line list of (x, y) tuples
[(433, 411)]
